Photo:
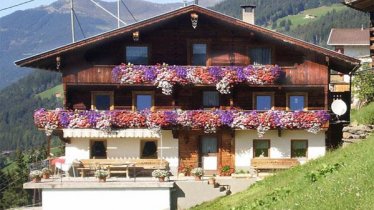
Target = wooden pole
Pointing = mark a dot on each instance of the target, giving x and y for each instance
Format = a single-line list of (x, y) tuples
[(372, 38), (49, 145)]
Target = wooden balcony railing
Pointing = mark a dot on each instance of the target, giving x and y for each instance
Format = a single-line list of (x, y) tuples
[(307, 73)]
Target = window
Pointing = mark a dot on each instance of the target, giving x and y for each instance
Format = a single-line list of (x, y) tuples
[(143, 100), (299, 148), (261, 148), (210, 99), (137, 55), (199, 54), (263, 101), (98, 150), (149, 149), (102, 100), (208, 145), (260, 56), (297, 101)]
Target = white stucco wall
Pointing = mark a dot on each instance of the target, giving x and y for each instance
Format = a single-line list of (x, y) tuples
[(128, 148), (113, 199), (357, 51), (280, 147)]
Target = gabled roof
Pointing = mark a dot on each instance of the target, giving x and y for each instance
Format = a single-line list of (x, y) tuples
[(362, 5), (40, 60), (349, 36)]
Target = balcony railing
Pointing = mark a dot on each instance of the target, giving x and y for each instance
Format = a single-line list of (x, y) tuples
[(208, 120)]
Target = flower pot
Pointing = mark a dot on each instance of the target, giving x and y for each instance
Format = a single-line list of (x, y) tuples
[(46, 176), (161, 179), (102, 179), (211, 181), (197, 178), (36, 179)]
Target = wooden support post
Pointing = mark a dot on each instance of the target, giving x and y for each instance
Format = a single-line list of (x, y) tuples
[(49, 145), (372, 37)]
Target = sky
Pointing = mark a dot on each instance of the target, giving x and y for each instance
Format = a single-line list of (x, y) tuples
[(36, 3)]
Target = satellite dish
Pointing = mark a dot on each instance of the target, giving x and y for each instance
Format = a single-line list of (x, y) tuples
[(339, 107)]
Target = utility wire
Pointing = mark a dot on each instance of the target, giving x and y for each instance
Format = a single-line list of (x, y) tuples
[(79, 23), (129, 11), (16, 5)]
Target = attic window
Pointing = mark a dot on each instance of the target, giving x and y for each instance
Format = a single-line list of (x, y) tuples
[(260, 56), (137, 55)]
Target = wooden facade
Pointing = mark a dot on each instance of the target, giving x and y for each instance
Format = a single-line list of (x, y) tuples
[(86, 68)]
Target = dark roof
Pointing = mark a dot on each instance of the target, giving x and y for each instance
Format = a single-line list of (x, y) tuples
[(349, 36), (362, 5), (46, 58)]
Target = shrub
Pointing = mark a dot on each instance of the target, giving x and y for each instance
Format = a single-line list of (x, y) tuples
[(197, 172), (101, 173), (160, 173), (365, 115), (36, 174)]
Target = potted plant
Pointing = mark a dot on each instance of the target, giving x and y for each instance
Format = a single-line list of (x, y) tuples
[(186, 170), (160, 174), (197, 173), (212, 180), (101, 175), (226, 170), (46, 173), (36, 176)]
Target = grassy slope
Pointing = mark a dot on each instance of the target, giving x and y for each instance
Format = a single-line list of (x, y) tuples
[(350, 187), (319, 12), (51, 92), (365, 115)]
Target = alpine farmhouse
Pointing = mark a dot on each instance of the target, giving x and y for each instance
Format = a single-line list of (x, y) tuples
[(194, 87)]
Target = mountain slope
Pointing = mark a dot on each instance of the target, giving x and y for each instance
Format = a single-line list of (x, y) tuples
[(340, 180), (32, 31)]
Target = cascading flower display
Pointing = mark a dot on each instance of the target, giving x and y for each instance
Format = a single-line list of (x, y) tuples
[(208, 120), (224, 77)]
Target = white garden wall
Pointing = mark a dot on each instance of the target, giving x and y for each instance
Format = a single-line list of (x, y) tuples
[(280, 147)]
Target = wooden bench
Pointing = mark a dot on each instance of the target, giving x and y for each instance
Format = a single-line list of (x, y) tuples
[(273, 163), (120, 166)]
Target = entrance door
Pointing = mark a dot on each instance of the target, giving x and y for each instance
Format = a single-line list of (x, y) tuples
[(209, 154)]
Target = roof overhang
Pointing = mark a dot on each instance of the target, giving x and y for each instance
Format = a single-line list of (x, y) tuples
[(41, 60), (362, 5)]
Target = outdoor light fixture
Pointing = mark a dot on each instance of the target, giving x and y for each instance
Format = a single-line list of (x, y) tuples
[(194, 19), (58, 62), (135, 36)]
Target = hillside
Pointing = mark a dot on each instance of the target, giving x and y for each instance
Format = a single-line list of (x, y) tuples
[(336, 181), (24, 33), (305, 17)]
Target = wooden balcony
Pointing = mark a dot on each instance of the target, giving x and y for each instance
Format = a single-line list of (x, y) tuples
[(306, 74)]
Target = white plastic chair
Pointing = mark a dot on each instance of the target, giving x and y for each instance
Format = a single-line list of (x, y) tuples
[(65, 167)]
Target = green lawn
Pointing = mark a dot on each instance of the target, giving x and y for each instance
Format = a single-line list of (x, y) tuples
[(299, 19), (51, 92), (365, 115), (350, 186)]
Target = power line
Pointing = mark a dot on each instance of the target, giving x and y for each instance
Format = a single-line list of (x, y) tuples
[(129, 11), (16, 5), (79, 23)]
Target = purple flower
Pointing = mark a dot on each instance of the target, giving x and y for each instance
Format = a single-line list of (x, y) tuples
[(64, 119), (181, 72), (149, 73), (116, 73), (216, 72), (227, 117), (171, 117)]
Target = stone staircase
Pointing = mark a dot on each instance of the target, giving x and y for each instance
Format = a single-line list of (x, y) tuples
[(190, 193), (356, 133)]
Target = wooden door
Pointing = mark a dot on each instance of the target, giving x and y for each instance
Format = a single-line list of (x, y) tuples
[(209, 154)]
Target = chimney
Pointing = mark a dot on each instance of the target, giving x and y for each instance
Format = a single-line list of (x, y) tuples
[(248, 13), (197, 2)]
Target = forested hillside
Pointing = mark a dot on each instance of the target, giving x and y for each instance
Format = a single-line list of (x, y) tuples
[(317, 32), (17, 105), (268, 11)]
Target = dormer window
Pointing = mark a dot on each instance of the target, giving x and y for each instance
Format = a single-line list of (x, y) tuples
[(137, 55), (260, 56), (102, 100)]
